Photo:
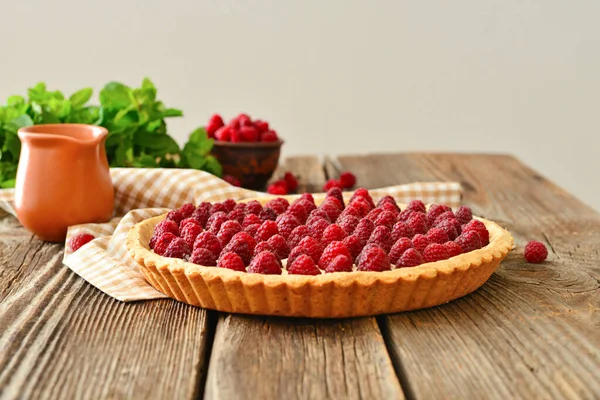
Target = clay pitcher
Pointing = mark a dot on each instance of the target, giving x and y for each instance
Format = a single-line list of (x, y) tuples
[(63, 179)]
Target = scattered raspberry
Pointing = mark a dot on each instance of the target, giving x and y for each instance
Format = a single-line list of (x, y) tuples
[(214, 123), (313, 247), (267, 214), (266, 230), (279, 204), (166, 225), (286, 224), (187, 209), (364, 229), (348, 223), (435, 210), (418, 223), (243, 245), (449, 226), (208, 240), (303, 265), (437, 235), (374, 214), (406, 214), (298, 211), (269, 136), (420, 242), (190, 232), (318, 213), (387, 219), (251, 219), (253, 207), (382, 237), (227, 230), (299, 233), (308, 205), (347, 180), (291, 181), (189, 220), (237, 214), (252, 229), (203, 257), (416, 205), (265, 263), (333, 250), (231, 260), (232, 180), (279, 246), (261, 126), (295, 253), (410, 258), (464, 214), (469, 241), (332, 183), (392, 207), (163, 242), (223, 134), (479, 227), (317, 227), (401, 230), (176, 216), (278, 188), (399, 248), (178, 248), (435, 252), (374, 259), (340, 263), (262, 246), (216, 220), (535, 252), (79, 240), (333, 233), (354, 246), (216, 207), (453, 249)]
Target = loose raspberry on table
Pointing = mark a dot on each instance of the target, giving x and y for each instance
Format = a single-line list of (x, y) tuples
[(291, 181), (176, 216), (279, 246), (262, 246), (340, 263), (166, 225), (453, 249), (333, 250), (437, 235), (216, 207), (162, 242), (236, 215), (308, 205), (299, 233), (410, 258), (332, 183), (266, 230), (333, 233), (295, 253), (317, 227), (265, 263), (387, 219), (374, 259), (77, 241), (216, 220), (278, 188), (209, 241), (374, 214), (332, 211), (243, 245), (203, 257), (190, 232), (399, 248), (401, 230), (435, 252), (251, 219), (252, 229), (178, 248), (278, 204), (364, 193), (364, 229), (303, 265), (535, 252), (201, 213), (187, 209), (469, 241), (418, 223), (464, 214), (387, 206), (382, 237), (318, 213), (479, 227), (313, 246), (348, 223), (336, 193), (286, 224), (354, 246), (449, 226), (227, 230), (420, 241), (298, 211), (267, 214), (253, 207), (231, 260), (406, 214), (348, 180), (416, 205)]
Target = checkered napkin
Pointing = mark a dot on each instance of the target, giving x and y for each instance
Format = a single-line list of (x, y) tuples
[(144, 193)]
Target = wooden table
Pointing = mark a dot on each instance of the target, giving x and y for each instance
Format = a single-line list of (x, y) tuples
[(532, 331)]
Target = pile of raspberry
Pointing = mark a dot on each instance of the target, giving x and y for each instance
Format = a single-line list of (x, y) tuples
[(333, 237), (240, 129)]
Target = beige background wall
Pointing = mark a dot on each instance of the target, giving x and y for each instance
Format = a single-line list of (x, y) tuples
[(341, 76)]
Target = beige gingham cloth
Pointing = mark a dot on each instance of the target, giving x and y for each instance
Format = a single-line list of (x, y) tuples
[(144, 193)]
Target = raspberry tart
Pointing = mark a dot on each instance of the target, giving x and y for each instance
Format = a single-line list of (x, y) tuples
[(331, 255)]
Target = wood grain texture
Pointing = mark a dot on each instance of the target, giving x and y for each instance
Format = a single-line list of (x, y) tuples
[(274, 358), (62, 338), (532, 331)]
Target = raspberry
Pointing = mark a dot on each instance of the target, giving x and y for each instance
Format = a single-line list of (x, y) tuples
[(386, 199), (215, 221), (261, 126), (420, 242), (269, 136), (178, 248), (189, 220), (335, 202), (362, 205), (296, 252), (535, 252), (266, 230), (416, 205), (299, 233), (449, 226), (214, 123), (340, 263), (298, 211), (207, 240), (374, 214), (236, 215), (203, 257), (437, 235), (267, 214), (401, 230), (464, 214), (406, 214), (388, 206), (278, 188), (364, 229), (410, 258), (229, 205), (79, 240), (351, 210), (176, 216), (318, 213), (418, 223), (308, 205), (387, 219), (365, 250), (190, 232), (227, 230), (223, 134), (278, 204), (444, 216), (479, 227), (331, 183), (435, 252), (336, 193), (236, 136), (317, 227), (279, 246), (166, 225), (243, 120), (232, 180), (333, 233), (286, 224), (253, 207), (313, 247), (307, 196), (187, 209), (201, 213), (303, 265), (231, 260), (333, 250), (348, 180), (348, 223), (240, 206), (435, 210), (216, 207), (374, 259), (354, 246), (252, 229), (251, 219), (382, 237), (332, 211), (163, 242), (262, 246), (453, 249), (469, 241), (243, 245), (249, 134), (291, 181), (265, 263), (399, 248)]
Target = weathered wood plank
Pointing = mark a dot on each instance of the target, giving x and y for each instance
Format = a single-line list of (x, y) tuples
[(62, 338), (269, 358), (532, 331)]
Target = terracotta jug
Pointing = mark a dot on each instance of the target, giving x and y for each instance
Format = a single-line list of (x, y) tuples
[(63, 179)]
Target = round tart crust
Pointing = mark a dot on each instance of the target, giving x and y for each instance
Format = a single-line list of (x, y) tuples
[(331, 295)]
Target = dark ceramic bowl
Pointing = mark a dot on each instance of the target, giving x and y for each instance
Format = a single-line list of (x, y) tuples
[(252, 163)]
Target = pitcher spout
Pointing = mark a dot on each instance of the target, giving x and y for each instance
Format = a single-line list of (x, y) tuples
[(53, 134)]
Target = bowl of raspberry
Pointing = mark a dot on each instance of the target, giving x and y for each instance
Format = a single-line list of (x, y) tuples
[(247, 149)]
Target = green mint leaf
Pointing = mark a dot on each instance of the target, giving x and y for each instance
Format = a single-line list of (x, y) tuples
[(145, 161), (171, 112), (116, 96), (14, 101), (80, 97), (87, 115), (213, 166)]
